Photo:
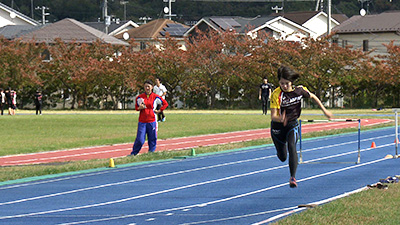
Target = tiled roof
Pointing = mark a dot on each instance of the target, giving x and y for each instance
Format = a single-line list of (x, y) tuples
[(297, 17), (151, 30), (301, 17), (113, 26), (70, 30), (15, 31), (237, 23), (384, 22)]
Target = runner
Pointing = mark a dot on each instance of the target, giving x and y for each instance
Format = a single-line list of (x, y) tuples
[(285, 110)]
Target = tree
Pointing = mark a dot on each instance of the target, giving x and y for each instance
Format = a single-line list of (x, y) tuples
[(20, 68), (171, 65)]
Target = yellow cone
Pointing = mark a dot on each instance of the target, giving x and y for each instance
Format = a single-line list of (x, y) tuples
[(111, 164), (389, 157)]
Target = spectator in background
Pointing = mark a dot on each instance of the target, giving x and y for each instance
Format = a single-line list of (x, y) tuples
[(147, 103), (3, 100), (160, 90), (264, 94), (13, 102), (38, 103), (8, 99)]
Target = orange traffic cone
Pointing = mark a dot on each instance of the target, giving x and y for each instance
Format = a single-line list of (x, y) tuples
[(373, 145)]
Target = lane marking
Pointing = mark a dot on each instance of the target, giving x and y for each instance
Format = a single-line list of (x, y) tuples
[(225, 199), (213, 138), (182, 172), (135, 180), (314, 203)]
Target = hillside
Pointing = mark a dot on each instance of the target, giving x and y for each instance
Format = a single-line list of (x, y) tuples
[(186, 10)]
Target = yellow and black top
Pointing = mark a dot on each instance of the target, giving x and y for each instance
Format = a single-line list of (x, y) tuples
[(289, 102)]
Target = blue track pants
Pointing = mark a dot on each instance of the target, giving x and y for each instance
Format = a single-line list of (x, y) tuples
[(145, 128)]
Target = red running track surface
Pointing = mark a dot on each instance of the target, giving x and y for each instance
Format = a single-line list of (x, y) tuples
[(120, 150)]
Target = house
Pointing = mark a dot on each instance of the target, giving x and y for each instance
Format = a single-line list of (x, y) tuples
[(284, 29), (9, 16), (149, 33), (116, 27), (70, 30), (287, 26), (315, 21), (369, 32)]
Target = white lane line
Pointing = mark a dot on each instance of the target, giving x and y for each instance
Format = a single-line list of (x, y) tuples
[(242, 216), (225, 199), (144, 195), (175, 173), (271, 219), (42, 159), (87, 174), (91, 153), (181, 172), (135, 180)]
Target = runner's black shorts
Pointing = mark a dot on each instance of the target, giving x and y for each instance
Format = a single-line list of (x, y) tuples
[(279, 133)]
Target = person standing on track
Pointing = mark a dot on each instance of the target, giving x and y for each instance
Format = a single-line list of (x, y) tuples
[(147, 104), (285, 110), (264, 94), (161, 90)]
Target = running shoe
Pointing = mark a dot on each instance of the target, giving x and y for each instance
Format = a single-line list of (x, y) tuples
[(292, 182)]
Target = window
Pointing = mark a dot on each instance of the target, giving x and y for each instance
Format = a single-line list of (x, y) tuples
[(344, 43), (46, 57), (365, 45), (142, 45)]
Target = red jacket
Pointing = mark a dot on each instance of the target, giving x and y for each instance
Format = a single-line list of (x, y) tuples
[(147, 115)]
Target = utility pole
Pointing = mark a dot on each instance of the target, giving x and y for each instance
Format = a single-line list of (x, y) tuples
[(168, 9), (329, 16), (44, 13), (277, 9), (106, 17), (32, 9), (124, 4)]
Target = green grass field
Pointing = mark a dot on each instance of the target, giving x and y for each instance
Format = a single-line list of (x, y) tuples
[(55, 130)]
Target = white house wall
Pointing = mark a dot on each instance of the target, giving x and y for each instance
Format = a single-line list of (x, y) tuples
[(375, 41), (318, 25), (289, 32), (5, 19)]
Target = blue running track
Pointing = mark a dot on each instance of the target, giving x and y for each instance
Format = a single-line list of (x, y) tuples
[(245, 186)]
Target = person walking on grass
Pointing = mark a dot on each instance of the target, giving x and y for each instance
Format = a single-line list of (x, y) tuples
[(285, 111), (147, 104), (264, 94), (161, 90)]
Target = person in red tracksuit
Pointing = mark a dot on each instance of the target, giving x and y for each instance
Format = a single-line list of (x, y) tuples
[(147, 104)]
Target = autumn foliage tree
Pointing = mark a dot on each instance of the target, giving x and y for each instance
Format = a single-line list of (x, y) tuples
[(212, 70)]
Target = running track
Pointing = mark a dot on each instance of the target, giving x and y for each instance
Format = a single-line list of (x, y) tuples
[(120, 150)]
